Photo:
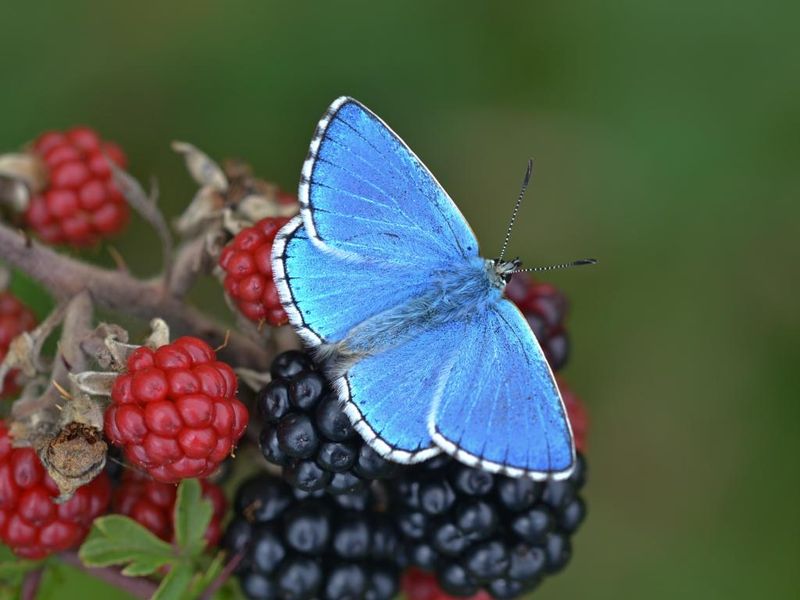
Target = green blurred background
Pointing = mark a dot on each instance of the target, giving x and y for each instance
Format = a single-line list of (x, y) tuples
[(666, 137)]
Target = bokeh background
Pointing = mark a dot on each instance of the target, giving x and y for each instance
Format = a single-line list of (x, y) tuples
[(666, 139)]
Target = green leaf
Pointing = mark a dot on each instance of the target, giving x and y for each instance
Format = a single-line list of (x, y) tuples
[(176, 584), (192, 516), (118, 540)]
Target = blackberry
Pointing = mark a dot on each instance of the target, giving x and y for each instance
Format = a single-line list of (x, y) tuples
[(307, 433), (478, 531), (297, 545)]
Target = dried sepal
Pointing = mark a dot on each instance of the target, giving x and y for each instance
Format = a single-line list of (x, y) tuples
[(29, 425), (25, 350), (74, 457), (159, 335), (24, 167), (146, 206), (204, 170), (94, 383), (14, 194), (255, 380), (99, 345), (204, 210)]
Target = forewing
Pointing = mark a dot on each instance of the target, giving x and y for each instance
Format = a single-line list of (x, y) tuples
[(364, 193), (326, 294), (499, 407)]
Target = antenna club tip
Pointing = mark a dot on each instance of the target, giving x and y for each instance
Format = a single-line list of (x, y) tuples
[(587, 261)]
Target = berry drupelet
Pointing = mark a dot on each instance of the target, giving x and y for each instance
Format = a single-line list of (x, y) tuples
[(301, 546), (81, 204), (247, 263), (545, 309), (175, 411), (477, 531), (32, 523), (15, 318), (151, 504), (307, 434)]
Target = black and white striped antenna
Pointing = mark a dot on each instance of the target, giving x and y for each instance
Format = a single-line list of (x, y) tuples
[(575, 263)]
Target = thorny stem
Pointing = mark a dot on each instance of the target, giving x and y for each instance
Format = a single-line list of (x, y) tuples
[(122, 293), (138, 587)]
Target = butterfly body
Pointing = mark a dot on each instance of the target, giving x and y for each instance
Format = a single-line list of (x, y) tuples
[(381, 275), (456, 294)]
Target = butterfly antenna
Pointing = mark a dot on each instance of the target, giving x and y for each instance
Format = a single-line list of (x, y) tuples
[(525, 183), (575, 263)]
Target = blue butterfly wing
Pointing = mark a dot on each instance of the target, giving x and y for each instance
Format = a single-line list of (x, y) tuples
[(364, 194), (326, 294), (499, 406), (375, 222), (388, 396)]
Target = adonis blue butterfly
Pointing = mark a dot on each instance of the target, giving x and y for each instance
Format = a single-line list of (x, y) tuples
[(381, 274)]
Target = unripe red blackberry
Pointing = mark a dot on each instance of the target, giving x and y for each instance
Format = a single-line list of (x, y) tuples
[(151, 504), (32, 524), (545, 309), (421, 585), (247, 263), (80, 204), (15, 318), (303, 547), (175, 412), (306, 432), (482, 532)]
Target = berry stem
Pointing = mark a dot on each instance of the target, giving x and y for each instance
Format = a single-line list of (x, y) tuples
[(30, 585), (119, 292), (224, 575), (138, 587)]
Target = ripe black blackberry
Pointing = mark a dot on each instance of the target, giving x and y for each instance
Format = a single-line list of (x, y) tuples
[(307, 434), (299, 546), (476, 530)]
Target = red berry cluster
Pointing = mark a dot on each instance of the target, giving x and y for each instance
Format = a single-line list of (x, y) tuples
[(15, 318), (32, 524), (419, 585), (81, 204), (576, 412), (545, 309), (152, 504), (247, 262), (175, 411)]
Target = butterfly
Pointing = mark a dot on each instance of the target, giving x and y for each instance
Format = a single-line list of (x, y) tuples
[(380, 274)]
